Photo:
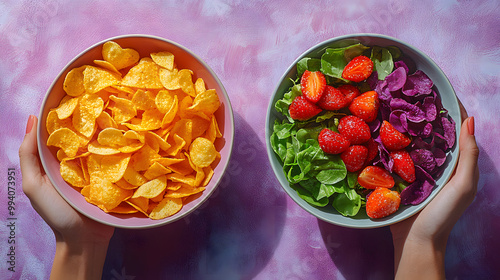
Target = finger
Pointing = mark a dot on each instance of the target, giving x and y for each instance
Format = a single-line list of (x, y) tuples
[(463, 112), (467, 168), (28, 157)]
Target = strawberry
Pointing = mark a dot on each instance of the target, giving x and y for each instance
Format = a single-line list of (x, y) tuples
[(312, 85), (302, 109), (332, 142), (350, 92), (391, 138), (382, 202), (354, 157), (332, 99), (354, 129), (372, 147), (373, 176), (403, 165), (358, 69), (365, 106)]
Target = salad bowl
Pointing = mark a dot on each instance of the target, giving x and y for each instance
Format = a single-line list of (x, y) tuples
[(416, 60)]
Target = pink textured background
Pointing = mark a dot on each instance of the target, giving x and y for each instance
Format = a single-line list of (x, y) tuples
[(250, 228)]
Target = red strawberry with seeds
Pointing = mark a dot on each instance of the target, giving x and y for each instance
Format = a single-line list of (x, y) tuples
[(358, 69), (354, 157), (403, 165), (391, 138), (332, 142), (302, 109), (382, 202), (373, 176), (354, 129), (312, 85), (350, 92), (372, 147), (332, 99), (365, 106)]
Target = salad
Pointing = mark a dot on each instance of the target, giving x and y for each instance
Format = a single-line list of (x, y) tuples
[(362, 131)]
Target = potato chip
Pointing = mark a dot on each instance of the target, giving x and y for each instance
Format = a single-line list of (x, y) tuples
[(123, 109), (156, 170), (209, 172), (108, 66), (164, 100), (105, 121), (156, 140), (144, 100), (176, 177), (176, 144), (164, 59), (182, 167), (73, 82), (66, 107), (143, 75), (213, 131), (168, 161), (84, 117), (169, 78), (65, 139), (143, 158), (119, 57), (95, 147), (107, 195), (184, 129), (122, 183), (186, 82), (199, 86), (159, 197), (206, 102), (166, 208), (139, 203), (133, 177), (151, 188), (184, 191), (200, 126), (72, 172), (53, 122), (202, 152), (123, 208), (113, 166), (171, 113), (96, 79), (111, 137), (152, 119)]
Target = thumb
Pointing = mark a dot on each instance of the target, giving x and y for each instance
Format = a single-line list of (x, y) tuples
[(28, 157), (467, 172)]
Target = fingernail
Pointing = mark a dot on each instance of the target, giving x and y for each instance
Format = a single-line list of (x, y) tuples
[(470, 126), (29, 125)]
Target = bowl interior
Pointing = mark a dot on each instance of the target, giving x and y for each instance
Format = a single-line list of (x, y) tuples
[(144, 45), (422, 62)]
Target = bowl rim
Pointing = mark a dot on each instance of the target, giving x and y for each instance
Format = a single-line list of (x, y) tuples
[(369, 223), (228, 134)]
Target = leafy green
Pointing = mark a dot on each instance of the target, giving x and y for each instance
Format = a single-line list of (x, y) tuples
[(382, 61), (307, 63)]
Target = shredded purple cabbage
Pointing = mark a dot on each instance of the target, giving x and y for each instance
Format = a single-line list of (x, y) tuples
[(412, 105)]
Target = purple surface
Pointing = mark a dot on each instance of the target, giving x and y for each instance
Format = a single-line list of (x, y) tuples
[(250, 228)]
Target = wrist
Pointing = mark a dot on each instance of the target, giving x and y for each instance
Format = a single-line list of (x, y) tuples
[(420, 258), (81, 260)]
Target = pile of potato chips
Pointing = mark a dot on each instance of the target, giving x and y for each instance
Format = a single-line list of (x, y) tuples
[(135, 135)]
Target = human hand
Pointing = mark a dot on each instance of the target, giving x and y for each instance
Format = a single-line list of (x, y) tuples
[(76, 235), (430, 228)]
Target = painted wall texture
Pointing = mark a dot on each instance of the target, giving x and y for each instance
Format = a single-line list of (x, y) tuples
[(250, 229)]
